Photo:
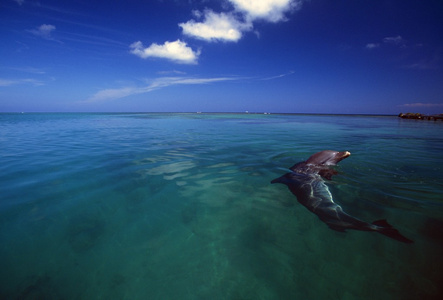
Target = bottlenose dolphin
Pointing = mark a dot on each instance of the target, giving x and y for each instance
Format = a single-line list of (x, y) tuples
[(307, 184)]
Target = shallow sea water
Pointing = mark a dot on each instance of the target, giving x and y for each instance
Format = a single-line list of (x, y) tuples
[(180, 206)]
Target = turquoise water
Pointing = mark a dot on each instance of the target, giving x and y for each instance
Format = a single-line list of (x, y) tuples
[(180, 206)]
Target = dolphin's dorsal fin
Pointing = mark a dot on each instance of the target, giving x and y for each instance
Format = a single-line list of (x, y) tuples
[(297, 165)]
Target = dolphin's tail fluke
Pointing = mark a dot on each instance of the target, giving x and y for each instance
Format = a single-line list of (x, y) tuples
[(388, 230)]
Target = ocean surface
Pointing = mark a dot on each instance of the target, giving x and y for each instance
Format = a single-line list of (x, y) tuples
[(180, 206)]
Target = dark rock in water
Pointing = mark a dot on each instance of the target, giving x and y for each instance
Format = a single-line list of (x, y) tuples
[(418, 116), (84, 232), (189, 213), (257, 233), (37, 288), (117, 280)]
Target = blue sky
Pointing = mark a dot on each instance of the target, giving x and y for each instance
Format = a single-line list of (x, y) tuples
[(291, 56)]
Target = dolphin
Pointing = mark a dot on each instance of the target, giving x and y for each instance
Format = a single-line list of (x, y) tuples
[(306, 182)]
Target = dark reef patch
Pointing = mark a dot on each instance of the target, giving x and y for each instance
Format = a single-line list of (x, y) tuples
[(84, 232)]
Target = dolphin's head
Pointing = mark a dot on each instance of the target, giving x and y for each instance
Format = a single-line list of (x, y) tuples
[(327, 158)]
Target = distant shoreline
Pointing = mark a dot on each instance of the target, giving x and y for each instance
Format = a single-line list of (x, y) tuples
[(418, 116), (412, 116), (212, 113)]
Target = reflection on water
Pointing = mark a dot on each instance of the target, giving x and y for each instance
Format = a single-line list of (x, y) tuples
[(180, 206)]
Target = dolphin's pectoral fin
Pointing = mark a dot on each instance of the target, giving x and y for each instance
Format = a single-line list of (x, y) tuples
[(382, 223), (277, 180), (337, 228)]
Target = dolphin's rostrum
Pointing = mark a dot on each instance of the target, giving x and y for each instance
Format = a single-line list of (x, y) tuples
[(307, 184)]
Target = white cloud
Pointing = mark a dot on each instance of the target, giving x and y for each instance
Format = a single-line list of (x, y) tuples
[(168, 81), (397, 41), (215, 27), (269, 10), (171, 72), (279, 76), (7, 82), (421, 65), (371, 46), (419, 104), (425, 61), (109, 94), (163, 82), (10, 82), (19, 2), (394, 40), (28, 70), (176, 51), (229, 27), (158, 83), (218, 27), (44, 31)]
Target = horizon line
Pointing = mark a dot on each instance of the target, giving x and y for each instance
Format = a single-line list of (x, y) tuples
[(196, 112)]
